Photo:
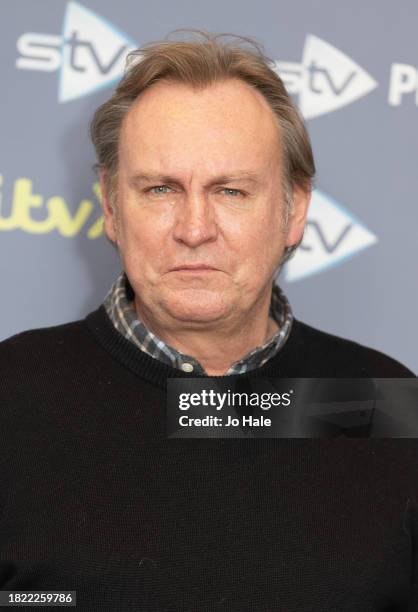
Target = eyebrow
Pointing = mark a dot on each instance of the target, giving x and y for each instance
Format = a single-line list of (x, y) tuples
[(222, 179)]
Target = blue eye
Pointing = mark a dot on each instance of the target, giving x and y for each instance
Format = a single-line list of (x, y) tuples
[(232, 192), (160, 189)]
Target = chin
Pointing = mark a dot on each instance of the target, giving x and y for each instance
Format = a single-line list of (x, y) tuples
[(196, 305)]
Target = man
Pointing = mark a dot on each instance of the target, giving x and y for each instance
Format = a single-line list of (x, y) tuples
[(206, 173)]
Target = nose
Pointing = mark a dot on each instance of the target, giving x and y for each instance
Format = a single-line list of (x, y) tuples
[(195, 221)]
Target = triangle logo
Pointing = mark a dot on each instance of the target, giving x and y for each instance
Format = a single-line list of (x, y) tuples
[(93, 53), (330, 79), (332, 235)]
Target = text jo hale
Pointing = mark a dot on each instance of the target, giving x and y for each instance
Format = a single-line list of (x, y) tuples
[(213, 421)]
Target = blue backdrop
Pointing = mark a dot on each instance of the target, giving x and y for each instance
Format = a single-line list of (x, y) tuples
[(351, 67)]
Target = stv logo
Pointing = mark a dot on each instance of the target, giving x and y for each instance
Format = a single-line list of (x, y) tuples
[(90, 54), (325, 80), (332, 235)]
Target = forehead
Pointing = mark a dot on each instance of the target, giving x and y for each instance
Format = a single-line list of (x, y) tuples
[(226, 123)]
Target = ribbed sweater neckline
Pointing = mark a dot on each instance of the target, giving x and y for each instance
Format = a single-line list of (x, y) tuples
[(156, 372)]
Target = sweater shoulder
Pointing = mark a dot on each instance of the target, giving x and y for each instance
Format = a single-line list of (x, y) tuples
[(42, 348), (337, 356), (49, 335)]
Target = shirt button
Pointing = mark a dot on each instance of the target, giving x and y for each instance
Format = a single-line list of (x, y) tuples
[(187, 367)]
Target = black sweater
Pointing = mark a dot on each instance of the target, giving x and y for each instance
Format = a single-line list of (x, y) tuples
[(95, 498)]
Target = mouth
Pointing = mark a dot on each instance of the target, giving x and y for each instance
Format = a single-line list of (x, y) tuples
[(194, 268)]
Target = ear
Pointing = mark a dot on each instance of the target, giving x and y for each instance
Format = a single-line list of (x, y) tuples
[(109, 214), (297, 221)]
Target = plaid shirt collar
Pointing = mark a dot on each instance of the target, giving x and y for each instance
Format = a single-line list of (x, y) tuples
[(120, 308)]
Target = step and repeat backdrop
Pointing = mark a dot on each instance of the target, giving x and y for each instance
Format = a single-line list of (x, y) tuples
[(352, 68)]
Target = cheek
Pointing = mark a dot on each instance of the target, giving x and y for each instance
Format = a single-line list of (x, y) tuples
[(259, 237), (144, 238), (268, 248)]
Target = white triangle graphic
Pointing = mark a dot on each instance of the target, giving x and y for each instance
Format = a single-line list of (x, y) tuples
[(330, 79), (93, 53), (331, 236)]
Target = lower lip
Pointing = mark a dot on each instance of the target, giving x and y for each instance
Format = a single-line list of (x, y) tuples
[(195, 270)]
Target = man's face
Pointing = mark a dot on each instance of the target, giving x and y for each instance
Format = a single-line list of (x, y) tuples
[(200, 183)]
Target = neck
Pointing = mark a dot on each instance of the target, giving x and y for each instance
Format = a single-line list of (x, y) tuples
[(217, 349)]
